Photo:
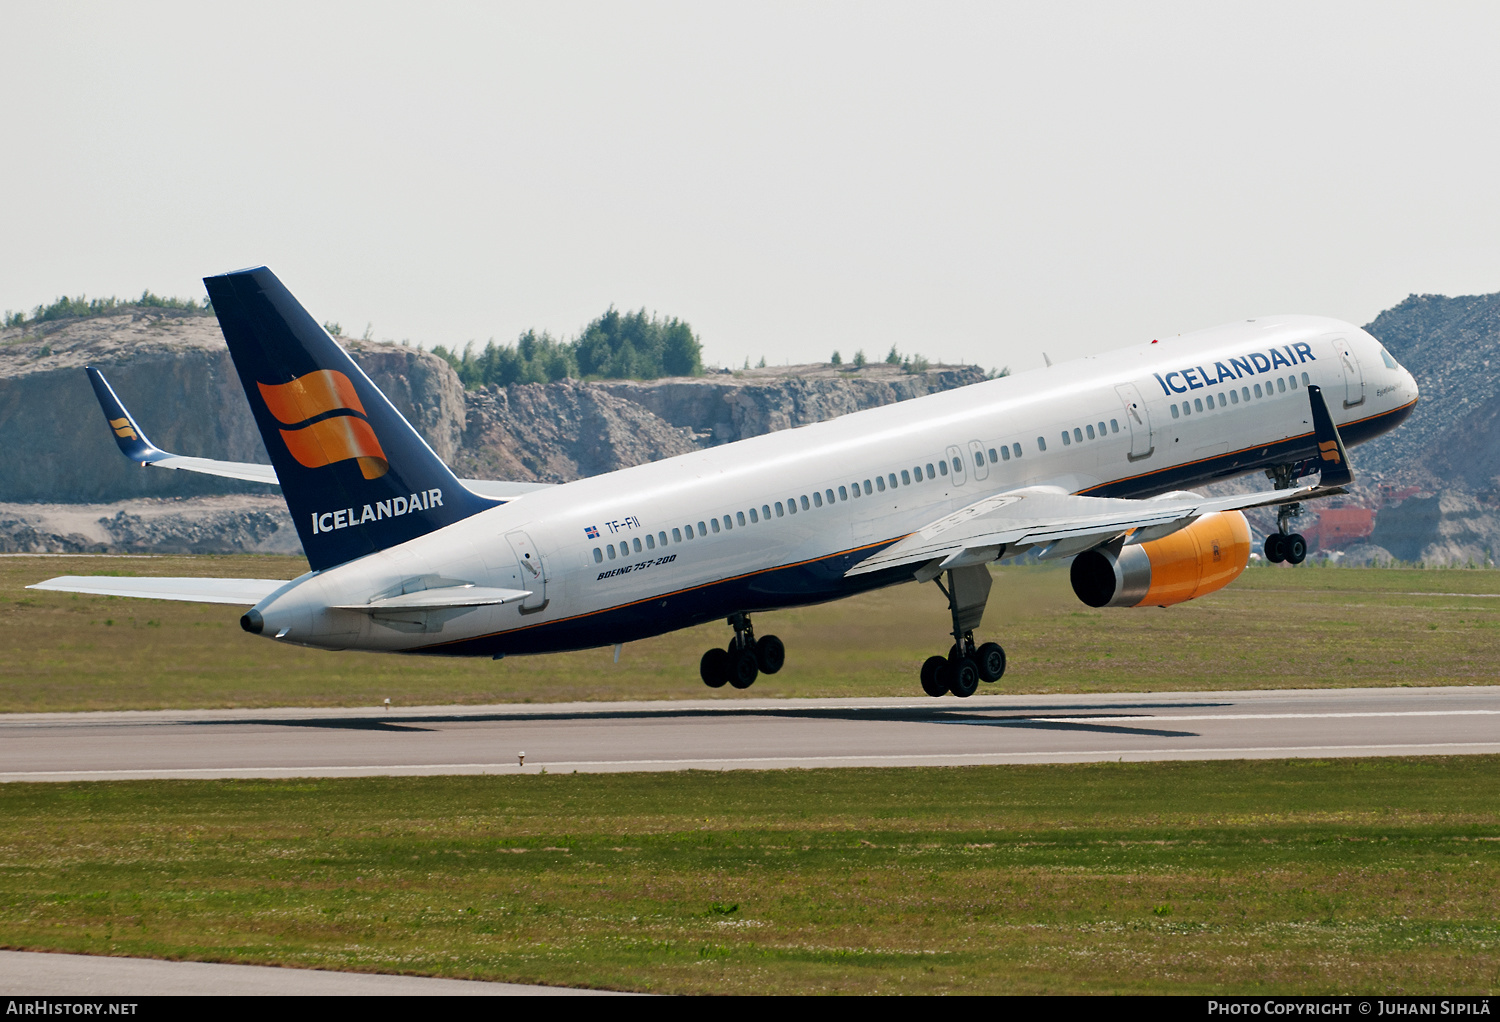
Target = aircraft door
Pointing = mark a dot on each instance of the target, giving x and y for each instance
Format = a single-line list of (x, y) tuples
[(1354, 375), (977, 457), (1138, 418), (533, 572), (956, 464)]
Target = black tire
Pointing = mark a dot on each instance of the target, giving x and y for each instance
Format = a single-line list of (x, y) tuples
[(932, 682), (743, 669), (770, 654), (990, 659), (714, 668), (963, 677), (1296, 548), (1275, 548)]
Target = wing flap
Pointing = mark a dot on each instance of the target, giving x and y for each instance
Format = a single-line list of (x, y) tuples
[(239, 592)]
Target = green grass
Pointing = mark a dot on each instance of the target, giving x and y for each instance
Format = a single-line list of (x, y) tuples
[(1278, 627), (1229, 877)]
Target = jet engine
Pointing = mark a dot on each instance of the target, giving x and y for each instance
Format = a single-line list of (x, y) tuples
[(1191, 562)]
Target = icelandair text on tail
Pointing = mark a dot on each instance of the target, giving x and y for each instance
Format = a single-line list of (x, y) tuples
[(327, 521)]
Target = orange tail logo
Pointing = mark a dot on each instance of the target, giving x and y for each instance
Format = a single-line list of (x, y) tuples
[(1330, 451), (327, 440), (122, 428)]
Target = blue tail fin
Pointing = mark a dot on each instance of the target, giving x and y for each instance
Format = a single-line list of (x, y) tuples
[(357, 478)]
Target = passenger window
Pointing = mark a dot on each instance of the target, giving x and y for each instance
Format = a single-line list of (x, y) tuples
[(1292, 381), (979, 459), (650, 542), (892, 478), (611, 549), (598, 555), (1257, 390), (942, 467), (637, 543), (702, 531), (715, 523), (906, 477), (753, 516), (677, 534), (843, 494), (1101, 430), (1005, 453), (1246, 392), (739, 515), (661, 537), (869, 490), (1210, 402), (729, 522), (1175, 413), (958, 466), (1280, 385), (1078, 434), (817, 499), (880, 483), (829, 495), (1234, 397), (1114, 426), (1017, 448), (624, 549), (930, 473), (1091, 432), (993, 459), (765, 511), (780, 512), (1306, 382), (1198, 404), (804, 502), (1041, 443), (1067, 441)]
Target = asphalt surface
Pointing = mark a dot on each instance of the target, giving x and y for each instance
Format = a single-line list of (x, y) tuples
[(729, 734), (33, 974)]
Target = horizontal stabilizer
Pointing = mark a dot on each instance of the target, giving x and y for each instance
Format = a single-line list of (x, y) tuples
[(438, 599), (133, 444), (240, 592)]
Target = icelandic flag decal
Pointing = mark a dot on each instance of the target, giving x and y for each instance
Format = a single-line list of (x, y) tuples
[(591, 532)]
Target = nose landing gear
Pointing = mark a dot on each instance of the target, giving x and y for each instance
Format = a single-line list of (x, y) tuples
[(965, 666), (746, 658), (1283, 544)]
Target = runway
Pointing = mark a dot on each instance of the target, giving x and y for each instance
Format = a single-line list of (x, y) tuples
[(735, 734)]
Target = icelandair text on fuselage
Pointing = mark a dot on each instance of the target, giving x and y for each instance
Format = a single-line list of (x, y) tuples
[(70, 1008), (327, 521), (1197, 377)]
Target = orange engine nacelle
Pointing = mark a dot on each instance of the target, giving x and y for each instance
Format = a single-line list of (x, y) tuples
[(1191, 562)]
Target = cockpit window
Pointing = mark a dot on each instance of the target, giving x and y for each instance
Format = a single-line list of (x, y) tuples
[(1385, 356)]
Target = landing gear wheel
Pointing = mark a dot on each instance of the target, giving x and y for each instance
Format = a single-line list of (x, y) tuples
[(770, 654), (1296, 548), (714, 668), (962, 676), (1275, 548), (990, 659), (932, 669), (742, 668)]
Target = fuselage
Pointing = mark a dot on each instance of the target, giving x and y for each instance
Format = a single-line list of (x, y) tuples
[(777, 520)]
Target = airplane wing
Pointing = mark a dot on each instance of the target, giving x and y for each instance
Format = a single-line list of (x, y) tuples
[(241, 592), (132, 441), (1062, 523)]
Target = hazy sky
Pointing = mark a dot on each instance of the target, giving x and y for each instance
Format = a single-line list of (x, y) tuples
[(976, 181)]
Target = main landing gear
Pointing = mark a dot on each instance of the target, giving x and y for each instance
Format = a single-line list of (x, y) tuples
[(966, 665), (746, 658), (1283, 544)]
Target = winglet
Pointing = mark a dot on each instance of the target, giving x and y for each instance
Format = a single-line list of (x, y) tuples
[(1333, 457), (128, 435)]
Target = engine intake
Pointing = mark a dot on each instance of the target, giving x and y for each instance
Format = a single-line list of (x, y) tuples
[(1200, 559)]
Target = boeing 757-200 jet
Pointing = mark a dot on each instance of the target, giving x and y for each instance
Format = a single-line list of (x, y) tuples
[(1089, 459)]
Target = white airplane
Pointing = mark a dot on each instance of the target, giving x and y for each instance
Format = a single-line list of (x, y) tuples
[(1089, 458)]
